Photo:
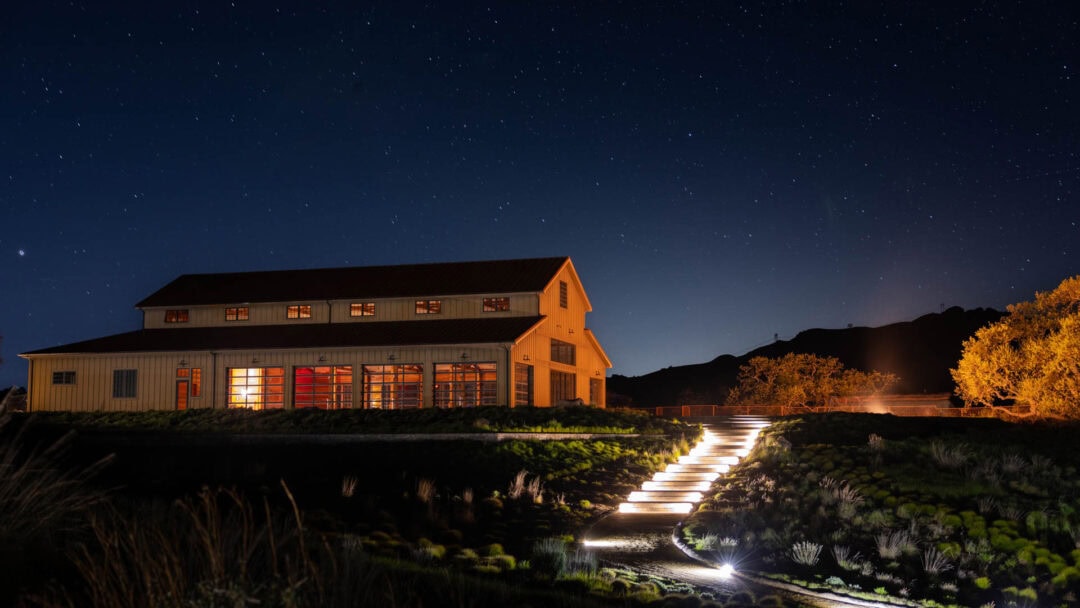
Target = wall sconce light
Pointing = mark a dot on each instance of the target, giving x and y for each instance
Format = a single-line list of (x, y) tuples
[(254, 360), (464, 356), (183, 362), (322, 358), (571, 331), (525, 358)]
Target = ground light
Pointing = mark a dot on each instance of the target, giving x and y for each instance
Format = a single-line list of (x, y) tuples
[(681, 485), (726, 571)]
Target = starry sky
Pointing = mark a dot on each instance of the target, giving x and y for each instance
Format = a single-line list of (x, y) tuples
[(720, 172)]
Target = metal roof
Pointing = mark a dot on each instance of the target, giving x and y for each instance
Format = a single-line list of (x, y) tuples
[(306, 335), (412, 280)]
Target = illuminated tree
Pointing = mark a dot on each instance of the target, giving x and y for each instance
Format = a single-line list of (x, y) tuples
[(802, 380), (1030, 357)]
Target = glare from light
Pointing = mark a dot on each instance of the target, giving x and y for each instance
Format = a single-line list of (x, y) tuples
[(604, 544), (682, 486), (742, 453), (685, 476), (646, 496), (726, 571), (655, 507)]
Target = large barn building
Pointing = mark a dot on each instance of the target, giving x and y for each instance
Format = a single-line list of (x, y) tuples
[(507, 332)]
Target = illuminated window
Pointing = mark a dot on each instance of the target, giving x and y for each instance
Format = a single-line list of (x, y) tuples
[(496, 304), (257, 388), (428, 307), (465, 384), (176, 316), (326, 387), (562, 387), (124, 383), (63, 378), (237, 313), (393, 387), (362, 309), (196, 381), (596, 389), (302, 311), (563, 297), (523, 384), (563, 352)]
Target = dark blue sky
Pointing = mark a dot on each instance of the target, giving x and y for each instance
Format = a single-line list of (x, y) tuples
[(719, 172)]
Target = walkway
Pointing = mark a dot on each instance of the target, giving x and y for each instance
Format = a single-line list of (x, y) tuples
[(639, 535)]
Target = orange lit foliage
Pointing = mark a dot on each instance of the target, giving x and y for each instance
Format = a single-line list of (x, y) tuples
[(802, 380), (1031, 357)]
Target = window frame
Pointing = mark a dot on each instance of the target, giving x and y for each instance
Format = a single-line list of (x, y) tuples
[(63, 378), (471, 384), (496, 304), (125, 384), (298, 311), (429, 307), (177, 315), (237, 313), (564, 295), (362, 309), (559, 350)]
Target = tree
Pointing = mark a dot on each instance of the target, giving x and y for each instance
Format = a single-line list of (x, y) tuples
[(1029, 358), (802, 380)]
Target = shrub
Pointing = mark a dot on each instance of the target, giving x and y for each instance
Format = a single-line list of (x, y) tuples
[(805, 553), (549, 557)]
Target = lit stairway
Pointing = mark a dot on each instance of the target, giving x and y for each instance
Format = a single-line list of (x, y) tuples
[(681, 485)]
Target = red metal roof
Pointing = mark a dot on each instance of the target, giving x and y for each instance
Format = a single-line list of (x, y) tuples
[(306, 335), (413, 280)]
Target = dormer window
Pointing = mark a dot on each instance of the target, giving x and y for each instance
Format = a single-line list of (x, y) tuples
[(428, 307), (362, 309), (179, 315), (302, 311), (496, 304), (236, 313)]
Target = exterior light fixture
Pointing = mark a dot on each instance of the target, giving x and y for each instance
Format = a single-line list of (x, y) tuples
[(183, 362), (727, 571), (525, 357), (254, 359), (571, 331), (390, 357), (464, 356), (322, 358)]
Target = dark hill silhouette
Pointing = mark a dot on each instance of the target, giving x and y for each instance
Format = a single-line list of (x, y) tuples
[(920, 352)]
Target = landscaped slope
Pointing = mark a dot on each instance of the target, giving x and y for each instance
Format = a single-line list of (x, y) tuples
[(955, 511)]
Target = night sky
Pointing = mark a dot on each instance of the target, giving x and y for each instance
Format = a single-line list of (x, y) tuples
[(719, 172)]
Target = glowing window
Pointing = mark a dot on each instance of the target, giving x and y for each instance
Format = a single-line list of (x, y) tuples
[(428, 307), (176, 316), (196, 381), (326, 387), (257, 388), (362, 309), (393, 387), (302, 311), (236, 313), (496, 304), (465, 384)]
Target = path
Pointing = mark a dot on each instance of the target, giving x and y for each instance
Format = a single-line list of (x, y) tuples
[(639, 535)]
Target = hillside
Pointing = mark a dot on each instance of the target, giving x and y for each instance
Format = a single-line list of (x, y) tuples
[(920, 352)]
